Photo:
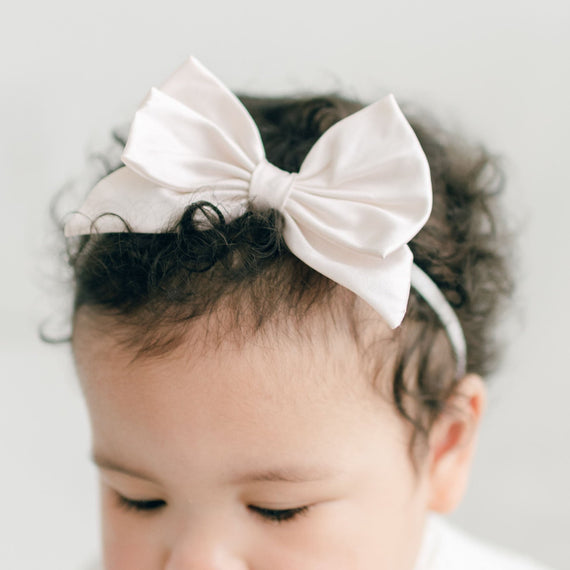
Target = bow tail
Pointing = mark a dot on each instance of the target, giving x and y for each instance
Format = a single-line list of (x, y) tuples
[(383, 282)]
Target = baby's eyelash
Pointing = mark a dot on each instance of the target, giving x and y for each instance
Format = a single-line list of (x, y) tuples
[(139, 506), (279, 516), (274, 515)]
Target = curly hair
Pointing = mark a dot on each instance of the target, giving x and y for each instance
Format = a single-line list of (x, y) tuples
[(156, 284)]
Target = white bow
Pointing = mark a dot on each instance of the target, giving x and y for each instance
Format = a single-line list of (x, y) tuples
[(361, 194)]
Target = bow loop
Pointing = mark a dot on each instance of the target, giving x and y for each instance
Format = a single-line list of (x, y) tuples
[(376, 194)]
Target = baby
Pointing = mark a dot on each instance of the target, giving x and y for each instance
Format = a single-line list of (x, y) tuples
[(283, 313)]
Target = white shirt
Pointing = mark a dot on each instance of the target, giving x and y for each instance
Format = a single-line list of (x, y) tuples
[(446, 547)]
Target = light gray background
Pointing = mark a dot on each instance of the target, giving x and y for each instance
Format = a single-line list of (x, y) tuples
[(70, 70)]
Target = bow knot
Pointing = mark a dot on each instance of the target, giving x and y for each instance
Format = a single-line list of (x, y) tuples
[(270, 186)]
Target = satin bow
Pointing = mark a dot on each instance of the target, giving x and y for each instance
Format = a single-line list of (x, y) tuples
[(361, 194)]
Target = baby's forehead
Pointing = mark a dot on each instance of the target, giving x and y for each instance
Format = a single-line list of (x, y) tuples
[(253, 405), (291, 397), (276, 390)]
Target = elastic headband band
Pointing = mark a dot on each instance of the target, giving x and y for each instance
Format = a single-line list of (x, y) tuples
[(433, 296)]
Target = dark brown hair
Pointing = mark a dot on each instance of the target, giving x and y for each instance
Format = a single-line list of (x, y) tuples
[(156, 284)]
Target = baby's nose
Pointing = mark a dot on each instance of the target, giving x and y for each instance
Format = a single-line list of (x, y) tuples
[(202, 547)]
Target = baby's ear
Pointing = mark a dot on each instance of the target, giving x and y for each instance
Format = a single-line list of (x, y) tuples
[(452, 443)]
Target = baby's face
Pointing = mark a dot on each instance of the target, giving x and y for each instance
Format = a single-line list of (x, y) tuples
[(275, 455)]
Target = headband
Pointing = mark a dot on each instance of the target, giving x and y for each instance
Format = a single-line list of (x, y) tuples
[(361, 194)]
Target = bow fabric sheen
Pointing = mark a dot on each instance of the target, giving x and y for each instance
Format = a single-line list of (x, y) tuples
[(362, 193)]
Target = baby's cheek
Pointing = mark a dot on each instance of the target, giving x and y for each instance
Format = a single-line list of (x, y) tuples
[(127, 538), (339, 535), (378, 528)]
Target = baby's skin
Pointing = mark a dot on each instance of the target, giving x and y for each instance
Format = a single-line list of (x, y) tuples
[(269, 451)]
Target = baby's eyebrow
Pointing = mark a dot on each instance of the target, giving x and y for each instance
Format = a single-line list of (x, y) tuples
[(109, 464), (289, 474)]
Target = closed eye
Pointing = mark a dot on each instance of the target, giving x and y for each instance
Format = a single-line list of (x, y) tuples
[(274, 515), (136, 505), (279, 515)]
